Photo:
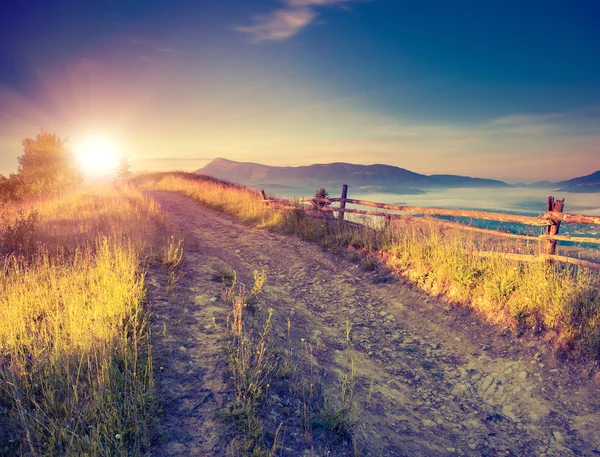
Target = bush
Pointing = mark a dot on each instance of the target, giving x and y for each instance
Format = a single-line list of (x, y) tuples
[(10, 188), (19, 237)]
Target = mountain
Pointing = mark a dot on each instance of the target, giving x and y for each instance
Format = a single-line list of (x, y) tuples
[(371, 177), (589, 183)]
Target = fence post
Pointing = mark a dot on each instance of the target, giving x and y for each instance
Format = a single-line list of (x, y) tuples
[(556, 206), (343, 203), (262, 194)]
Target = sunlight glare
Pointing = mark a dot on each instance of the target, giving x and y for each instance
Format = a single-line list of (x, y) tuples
[(98, 156)]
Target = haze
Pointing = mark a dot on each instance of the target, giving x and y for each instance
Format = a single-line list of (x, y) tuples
[(497, 89)]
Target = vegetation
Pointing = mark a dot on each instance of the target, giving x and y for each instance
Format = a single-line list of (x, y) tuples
[(46, 167), (561, 303), (9, 188), (75, 359), (265, 374), (124, 168), (322, 194)]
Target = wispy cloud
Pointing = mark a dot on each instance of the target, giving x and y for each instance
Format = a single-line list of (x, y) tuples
[(287, 21)]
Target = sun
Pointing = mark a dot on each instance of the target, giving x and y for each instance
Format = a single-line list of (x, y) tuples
[(98, 156)]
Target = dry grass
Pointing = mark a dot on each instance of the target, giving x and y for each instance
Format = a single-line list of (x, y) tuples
[(264, 369), (75, 358), (561, 303), (219, 195)]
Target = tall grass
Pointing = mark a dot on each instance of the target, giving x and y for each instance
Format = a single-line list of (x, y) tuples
[(80, 217), (75, 358), (219, 195), (561, 303)]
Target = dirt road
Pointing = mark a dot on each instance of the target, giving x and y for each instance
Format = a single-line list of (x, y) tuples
[(433, 380)]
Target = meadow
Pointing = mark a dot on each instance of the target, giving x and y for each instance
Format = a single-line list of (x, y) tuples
[(76, 373), (75, 357), (560, 304)]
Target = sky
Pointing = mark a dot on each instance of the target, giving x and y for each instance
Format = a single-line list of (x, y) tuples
[(504, 89)]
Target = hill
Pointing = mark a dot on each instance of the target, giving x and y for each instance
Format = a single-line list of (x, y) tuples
[(582, 184), (589, 183), (383, 178)]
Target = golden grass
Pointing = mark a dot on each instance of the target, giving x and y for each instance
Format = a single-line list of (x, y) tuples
[(75, 358), (82, 216), (219, 195), (561, 303)]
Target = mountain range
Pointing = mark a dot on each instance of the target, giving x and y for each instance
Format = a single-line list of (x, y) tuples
[(380, 178)]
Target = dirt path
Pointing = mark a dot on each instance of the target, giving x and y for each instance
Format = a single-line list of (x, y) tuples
[(432, 381)]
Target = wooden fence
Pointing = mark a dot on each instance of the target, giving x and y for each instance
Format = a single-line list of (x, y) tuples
[(551, 220)]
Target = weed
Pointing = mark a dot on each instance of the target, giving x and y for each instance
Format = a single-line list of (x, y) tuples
[(173, 254), (467, 276), (224, 275), (251, 362), (368, 264)]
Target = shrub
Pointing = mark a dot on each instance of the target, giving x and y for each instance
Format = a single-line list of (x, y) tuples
[(19, 237)]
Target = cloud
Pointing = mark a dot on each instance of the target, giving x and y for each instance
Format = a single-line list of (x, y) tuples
[(287, 21)]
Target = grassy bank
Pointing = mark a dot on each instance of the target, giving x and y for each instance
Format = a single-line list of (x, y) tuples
[(75, 359), (561, 304)]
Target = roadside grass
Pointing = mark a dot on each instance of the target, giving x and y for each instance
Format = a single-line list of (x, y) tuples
[(560, 303), (75, 358), (219, 195)]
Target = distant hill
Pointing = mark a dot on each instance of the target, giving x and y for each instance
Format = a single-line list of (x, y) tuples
[(582, 184), (589, 183), (382, 178)]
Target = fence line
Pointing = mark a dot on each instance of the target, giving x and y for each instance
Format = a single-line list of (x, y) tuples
[(551, 220)]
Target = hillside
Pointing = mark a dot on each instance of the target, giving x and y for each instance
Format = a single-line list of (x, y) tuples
[(378, 177), (582, 184), (589, 183)]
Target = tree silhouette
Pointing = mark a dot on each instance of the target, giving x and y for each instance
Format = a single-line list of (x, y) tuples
[(47, 165)]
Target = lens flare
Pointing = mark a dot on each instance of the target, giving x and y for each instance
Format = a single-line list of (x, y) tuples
[(98, 156)]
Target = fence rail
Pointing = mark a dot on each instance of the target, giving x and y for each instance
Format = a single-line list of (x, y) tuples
[(551, 220)]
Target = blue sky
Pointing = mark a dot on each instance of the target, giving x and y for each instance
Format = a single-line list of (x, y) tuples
[(494, 88)]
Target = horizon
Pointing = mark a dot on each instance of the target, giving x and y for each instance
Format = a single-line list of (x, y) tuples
[(367, 165), (498, 90)]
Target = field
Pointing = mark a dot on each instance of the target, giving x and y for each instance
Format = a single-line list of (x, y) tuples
[(75, 358)]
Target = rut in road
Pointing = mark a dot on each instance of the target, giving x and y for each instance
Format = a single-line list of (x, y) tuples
[(433, 380)]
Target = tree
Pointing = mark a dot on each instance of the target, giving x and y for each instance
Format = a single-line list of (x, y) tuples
[(321, 193), (124, 169), (47, 165), (10, 188)]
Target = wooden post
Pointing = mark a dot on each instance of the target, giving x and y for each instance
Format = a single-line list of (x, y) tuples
[(556, 206), (343, 203), (262, 194)]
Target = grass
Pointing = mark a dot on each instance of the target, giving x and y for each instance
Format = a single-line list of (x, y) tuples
[(75, 358), (560, 302), (275, 384), (251, 362)]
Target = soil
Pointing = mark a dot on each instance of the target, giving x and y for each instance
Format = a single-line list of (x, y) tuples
[(432, 379)]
